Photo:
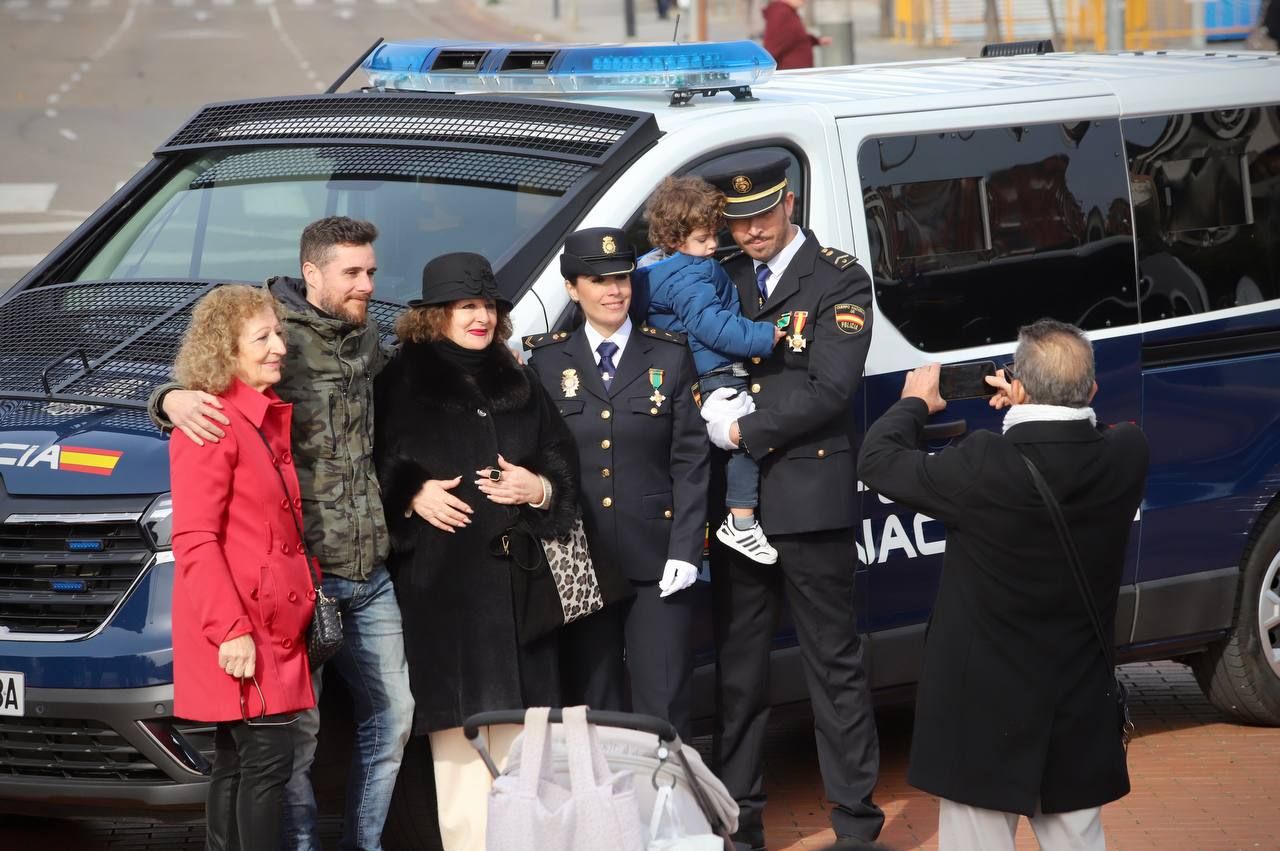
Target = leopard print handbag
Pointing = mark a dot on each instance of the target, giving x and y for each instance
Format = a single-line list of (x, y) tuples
[(574, 574)]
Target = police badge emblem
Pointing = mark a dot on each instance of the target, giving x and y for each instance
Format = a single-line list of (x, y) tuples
[(569, 383), (742, 184), (608, 246)]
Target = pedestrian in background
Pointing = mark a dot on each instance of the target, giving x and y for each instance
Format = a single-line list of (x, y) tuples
[(801, 436), (328, 376), (242, 597), (1016, 710), (786, 37), (627, 394), (468, 444)]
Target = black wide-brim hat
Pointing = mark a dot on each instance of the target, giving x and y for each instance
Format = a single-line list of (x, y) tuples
[(457, 276), (753, 182), (598, 251)]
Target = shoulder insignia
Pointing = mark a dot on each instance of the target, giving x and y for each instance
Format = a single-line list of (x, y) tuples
[(537, 341), (836, 257), (850, 318), (669, 336)]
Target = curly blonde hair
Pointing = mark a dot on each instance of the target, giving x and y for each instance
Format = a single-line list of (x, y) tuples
[(207, 359), (680, 206), (430, 322)]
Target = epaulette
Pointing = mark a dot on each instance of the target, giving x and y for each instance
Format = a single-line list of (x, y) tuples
[(537, 341), (669, 336), (836, 257)]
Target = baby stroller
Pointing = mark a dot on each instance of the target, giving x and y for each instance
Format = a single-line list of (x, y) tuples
[(583, 779)]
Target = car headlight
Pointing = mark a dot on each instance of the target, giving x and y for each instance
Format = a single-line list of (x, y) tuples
[(157, 522)]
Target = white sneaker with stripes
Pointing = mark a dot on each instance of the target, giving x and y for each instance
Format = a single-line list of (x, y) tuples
[(750, 542)]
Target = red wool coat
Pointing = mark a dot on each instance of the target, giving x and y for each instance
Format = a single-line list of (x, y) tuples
[(786, 38), (240, 567)]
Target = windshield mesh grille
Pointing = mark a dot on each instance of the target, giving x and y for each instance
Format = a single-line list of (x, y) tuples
[(127, 331), (377, 163), (574, 131)]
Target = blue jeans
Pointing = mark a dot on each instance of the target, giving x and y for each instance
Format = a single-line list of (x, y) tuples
[(742, 474), (372, 664)]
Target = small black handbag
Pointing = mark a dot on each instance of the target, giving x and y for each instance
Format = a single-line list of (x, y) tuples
[(1123, 720), (324, 635)]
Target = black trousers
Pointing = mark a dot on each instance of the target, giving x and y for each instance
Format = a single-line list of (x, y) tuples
[(251, 765), (646, 637), (815, 572)]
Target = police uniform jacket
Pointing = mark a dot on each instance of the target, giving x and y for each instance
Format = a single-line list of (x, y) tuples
[(1015, 703), (240, 568), (644, 462), (801, 432)]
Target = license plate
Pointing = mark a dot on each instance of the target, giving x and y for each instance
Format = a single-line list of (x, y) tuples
[(12, 693)]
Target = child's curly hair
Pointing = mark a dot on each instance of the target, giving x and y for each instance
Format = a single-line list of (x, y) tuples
[(680, 206)]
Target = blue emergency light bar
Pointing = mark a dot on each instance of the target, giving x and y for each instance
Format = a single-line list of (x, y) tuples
[(451, 66)]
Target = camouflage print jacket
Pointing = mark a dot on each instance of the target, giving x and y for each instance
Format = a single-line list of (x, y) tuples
[(328, 376)]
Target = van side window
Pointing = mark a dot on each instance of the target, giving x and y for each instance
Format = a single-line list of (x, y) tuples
[(1206, 204), (976, 233), (638, 229)]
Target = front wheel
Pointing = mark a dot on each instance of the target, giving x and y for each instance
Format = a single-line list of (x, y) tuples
[(1241, 674)]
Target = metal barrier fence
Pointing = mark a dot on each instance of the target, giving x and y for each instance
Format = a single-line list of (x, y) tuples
[(1074, 24)]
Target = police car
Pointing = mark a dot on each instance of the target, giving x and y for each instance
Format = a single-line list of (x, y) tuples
[(1134, 194)]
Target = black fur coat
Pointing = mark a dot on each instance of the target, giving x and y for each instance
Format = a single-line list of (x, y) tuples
[(432, 421)]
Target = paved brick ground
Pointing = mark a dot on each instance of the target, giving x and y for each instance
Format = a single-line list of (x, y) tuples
[(1199, 783)]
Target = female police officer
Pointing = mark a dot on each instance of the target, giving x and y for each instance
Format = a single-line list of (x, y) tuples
[(628, 395)]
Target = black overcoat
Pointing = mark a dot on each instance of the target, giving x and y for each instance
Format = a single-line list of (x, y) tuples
[(1014, 702), (433, 422), (645, 463), (801, 433)]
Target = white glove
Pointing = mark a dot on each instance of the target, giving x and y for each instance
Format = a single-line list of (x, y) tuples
[(676, 576), (718, 430), (727, 402)]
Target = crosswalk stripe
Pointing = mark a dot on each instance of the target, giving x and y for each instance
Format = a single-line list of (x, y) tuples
[(31, 228), (26, 197), (19, 261)]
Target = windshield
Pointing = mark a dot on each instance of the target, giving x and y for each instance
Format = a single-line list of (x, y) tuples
[(237, 215)]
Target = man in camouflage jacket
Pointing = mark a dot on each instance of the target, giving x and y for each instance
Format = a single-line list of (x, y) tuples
[(334, 353)]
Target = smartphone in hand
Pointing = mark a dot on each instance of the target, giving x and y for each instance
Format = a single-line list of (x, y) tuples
[(966, 380)]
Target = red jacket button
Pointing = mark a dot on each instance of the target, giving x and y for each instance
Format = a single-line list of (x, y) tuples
[(253, 595), (286, 549), (287, 643), (286, 457), (284, 503), (301, 549), (297, 502), (311, 595), (293, 596)]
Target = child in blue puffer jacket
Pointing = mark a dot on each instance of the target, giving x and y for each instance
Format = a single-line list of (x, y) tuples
[(689, 292)]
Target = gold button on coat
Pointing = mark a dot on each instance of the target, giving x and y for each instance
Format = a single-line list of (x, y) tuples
[(653, 410), (755, 359), (822, 453), (605, 472), (755, 388), (604, 415), (606, 502), (667, 514), (606, 443)]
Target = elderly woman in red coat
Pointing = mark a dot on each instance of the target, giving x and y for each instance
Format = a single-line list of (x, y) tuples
[(243, 591)]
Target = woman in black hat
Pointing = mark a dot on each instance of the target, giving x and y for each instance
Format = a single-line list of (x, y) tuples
[(467, 444), (628, 394)]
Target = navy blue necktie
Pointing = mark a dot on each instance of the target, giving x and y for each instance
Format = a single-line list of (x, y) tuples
[(762, 278), (607, 350)]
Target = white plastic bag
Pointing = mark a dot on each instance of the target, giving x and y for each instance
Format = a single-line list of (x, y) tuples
[(667, 834)]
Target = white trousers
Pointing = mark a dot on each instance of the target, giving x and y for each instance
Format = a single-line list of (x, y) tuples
[(965, 828), (462, 783)]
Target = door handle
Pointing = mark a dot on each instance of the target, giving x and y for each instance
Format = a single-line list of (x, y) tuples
[(949, 430)]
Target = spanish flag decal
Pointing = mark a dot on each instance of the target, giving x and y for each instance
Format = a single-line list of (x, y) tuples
[(78, 459), (850, 318)]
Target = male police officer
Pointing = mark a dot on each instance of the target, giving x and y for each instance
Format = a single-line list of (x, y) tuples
[(800, 434)]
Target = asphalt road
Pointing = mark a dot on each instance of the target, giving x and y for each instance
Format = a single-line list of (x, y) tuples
[(91, 87)]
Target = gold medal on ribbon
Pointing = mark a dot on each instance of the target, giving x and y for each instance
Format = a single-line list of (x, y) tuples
[(569, 383), (797, 340), (655, 381)]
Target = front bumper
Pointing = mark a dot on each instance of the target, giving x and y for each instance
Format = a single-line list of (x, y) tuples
[(87, 752)]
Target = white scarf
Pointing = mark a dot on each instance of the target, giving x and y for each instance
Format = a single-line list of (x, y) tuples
[(1047, 413)]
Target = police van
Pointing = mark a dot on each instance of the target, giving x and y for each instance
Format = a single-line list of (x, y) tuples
[(1136, 195)]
